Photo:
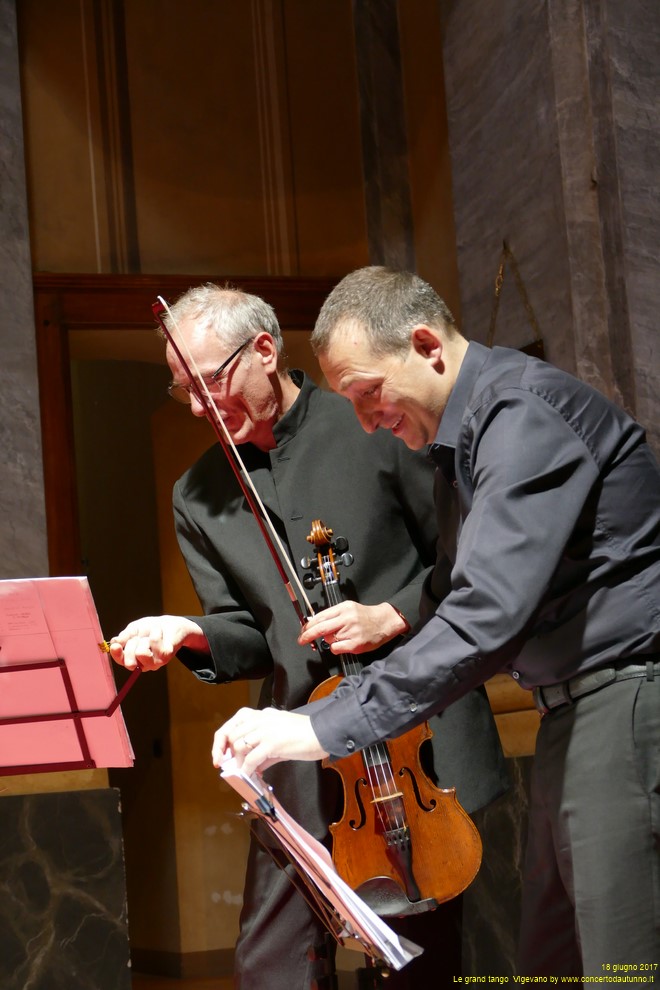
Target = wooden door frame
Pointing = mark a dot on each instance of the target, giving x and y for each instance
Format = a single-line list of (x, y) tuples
[(122, 304)]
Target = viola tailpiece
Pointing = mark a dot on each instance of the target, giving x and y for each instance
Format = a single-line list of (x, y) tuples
[(403, 844)]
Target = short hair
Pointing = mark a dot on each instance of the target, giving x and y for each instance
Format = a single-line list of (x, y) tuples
[(386, 304), (233, 315)]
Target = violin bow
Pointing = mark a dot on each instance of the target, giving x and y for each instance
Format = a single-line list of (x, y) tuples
[(252, 497)]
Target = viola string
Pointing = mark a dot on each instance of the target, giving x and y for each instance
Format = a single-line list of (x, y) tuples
[(380, 764)]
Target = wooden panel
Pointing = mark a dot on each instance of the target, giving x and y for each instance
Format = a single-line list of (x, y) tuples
[(516, 717), (326, 151), (122, 302), (518, 732), (507, 696)]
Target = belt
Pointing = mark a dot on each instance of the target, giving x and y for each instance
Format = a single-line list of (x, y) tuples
[(555, 695)]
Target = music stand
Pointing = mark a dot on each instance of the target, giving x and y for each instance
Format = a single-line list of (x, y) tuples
[(59, 706), (346, 916)]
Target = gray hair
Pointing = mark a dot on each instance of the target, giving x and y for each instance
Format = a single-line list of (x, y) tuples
[(233, 315), (386, 304)]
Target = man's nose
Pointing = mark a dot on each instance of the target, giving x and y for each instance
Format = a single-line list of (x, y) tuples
[(368, 420), (196, 407)]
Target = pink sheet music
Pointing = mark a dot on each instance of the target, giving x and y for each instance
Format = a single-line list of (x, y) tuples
[(43, 619)]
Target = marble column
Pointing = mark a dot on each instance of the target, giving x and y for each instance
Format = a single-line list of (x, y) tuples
[(624, 47), (23, 546), (555, 135)]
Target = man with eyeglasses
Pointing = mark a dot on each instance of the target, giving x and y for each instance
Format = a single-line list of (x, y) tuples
[(183, 393), (308, 459)]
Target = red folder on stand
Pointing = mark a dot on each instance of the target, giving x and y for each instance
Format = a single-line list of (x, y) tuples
[(59, 706)]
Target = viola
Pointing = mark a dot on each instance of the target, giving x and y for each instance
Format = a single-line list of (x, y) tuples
[(403, 844)]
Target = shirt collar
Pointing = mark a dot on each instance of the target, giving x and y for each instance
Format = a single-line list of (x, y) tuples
[(289, 424), (450, 423)]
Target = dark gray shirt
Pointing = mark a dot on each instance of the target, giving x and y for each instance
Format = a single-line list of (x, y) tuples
[(549, 507)]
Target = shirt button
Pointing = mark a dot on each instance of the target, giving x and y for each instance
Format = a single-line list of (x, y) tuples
[(350, 744), (515, 675), (413, 707)]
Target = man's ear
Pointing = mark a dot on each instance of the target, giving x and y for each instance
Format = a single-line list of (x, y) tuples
[(266, 351), (427, 342)]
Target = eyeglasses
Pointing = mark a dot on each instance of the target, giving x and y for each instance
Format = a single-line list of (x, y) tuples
[(182, 393)]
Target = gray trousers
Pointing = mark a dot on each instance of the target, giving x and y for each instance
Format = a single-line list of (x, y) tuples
[(277, 928), (591, 886)]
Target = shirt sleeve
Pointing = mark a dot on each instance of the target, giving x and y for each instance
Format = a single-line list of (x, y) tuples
[(238, 648), (525, 482)]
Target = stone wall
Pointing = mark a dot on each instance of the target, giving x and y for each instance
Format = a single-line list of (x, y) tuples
[(23, 548), (554, 143)]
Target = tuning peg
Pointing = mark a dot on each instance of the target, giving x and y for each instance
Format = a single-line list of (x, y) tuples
[(347, 559)]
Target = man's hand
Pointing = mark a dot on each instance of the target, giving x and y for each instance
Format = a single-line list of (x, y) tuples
[(352, 628), (258, 739), (151, 642)]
